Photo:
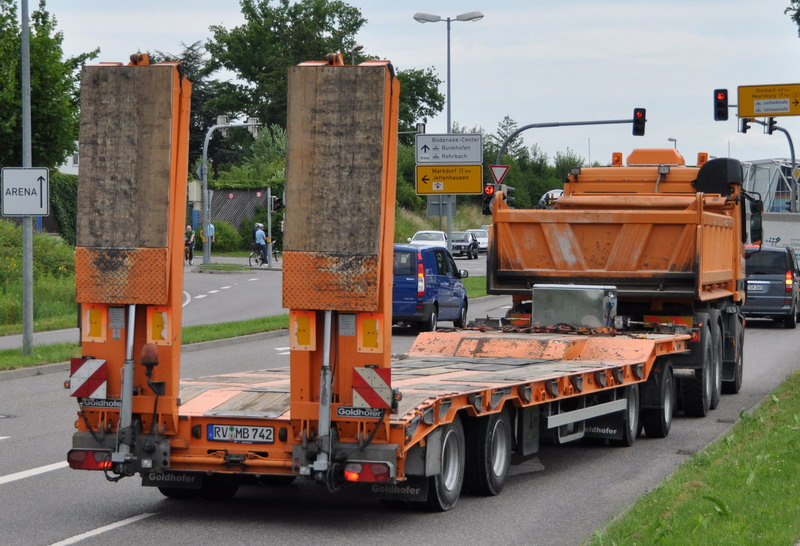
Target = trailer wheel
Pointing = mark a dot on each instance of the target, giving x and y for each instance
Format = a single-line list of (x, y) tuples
[(696, 391), (657, 421), (631, 421), (445, 488), (218, 487), (489, 441), (733, 386), (177, 492), (716, 385)]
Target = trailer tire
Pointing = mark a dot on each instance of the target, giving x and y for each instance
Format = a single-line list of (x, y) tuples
[(178, 492), (489, 440), (657, 421), (696, 391), (445, 487), (218, 487), (716, 385), (631, 420), (734, 385)]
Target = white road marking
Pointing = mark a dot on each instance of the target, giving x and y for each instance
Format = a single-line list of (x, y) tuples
[(4, 437), (213, 291), (103, 529), (224, 287), (282, 348), (187, 299), (201, 296), (253, 279), (32, 472)]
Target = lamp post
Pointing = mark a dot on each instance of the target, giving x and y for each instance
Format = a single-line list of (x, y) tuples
[(252, 126), (353, 50), (430, 18), (674, 141)]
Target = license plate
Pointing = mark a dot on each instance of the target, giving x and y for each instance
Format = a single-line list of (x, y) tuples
[(241, 434), (756, 287)]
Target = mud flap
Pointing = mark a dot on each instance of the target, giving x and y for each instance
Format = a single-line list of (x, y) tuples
[(611, 426)]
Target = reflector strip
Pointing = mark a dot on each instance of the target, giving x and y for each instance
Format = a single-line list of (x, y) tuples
[(372, 388), (88, 378)]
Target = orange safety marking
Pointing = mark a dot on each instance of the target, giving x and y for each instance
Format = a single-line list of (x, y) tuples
[(372, 388)]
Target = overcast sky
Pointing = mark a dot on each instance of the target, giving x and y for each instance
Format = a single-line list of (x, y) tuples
[(537, 61)]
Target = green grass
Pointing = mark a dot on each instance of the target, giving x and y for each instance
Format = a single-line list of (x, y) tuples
[(476, 286), (742, 489)]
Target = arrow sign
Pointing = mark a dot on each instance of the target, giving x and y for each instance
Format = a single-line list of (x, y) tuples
[(25, 191), (499, 172)]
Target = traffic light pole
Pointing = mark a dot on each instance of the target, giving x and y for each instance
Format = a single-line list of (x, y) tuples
[(511, 137), (794, 206)]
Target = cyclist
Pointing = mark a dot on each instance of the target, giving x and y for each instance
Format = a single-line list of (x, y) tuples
[(261, 241), (188, 242)]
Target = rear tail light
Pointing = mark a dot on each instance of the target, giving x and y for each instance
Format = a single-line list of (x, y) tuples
[(420, 276), (367, 472), (789, 281), (89, 459)]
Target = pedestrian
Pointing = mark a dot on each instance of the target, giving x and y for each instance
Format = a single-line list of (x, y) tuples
[(261, 241), (211, 236), (188, 243)]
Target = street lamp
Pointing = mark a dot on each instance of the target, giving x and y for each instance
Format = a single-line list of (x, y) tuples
[(674, 141), (353, 50), (252, 126), (430, 18)]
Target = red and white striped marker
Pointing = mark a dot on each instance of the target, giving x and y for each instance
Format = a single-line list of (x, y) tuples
[(88, 378), (372, 388)]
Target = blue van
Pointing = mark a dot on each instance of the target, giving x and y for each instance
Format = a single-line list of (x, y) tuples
[(427, 287)]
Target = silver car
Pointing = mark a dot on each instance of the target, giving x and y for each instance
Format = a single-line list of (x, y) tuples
[(773, 279)]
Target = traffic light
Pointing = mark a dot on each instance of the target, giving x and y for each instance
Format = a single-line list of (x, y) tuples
[(507, 191), (277, 204), (720, 104), (745, 124), (771, 123), (639, 119), (488, 199)]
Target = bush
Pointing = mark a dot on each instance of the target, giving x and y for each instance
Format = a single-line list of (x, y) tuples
[(227, 238)]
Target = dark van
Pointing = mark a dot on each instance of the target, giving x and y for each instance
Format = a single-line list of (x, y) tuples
[(772, 284), (427, 287)]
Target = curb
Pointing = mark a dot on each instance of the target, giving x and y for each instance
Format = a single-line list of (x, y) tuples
[(59, 367)]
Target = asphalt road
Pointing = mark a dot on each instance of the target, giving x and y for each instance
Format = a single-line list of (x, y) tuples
[(560, 497)]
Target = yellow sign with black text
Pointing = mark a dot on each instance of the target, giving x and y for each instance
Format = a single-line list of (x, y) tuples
[(449, 179), (756, 101)]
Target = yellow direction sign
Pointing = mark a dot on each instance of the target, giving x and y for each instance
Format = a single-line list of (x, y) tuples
[(769, 100), (449, 179)]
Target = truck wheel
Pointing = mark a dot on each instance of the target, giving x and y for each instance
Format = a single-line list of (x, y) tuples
[(488, 444), (733, 386), (430, 324), (696, 391), (461, 321), (445, 488), (657, 421), (631, 421), (716, 385)]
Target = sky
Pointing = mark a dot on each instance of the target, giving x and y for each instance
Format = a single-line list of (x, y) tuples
[(536, 61)]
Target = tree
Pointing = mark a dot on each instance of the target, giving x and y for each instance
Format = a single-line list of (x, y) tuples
[(55, 84), (794, 12), (504, 129), (273, 39), (419, 98)]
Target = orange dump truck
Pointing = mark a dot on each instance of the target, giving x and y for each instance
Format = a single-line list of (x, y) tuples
[(457, 410)]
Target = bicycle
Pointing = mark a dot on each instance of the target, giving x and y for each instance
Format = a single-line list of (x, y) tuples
[(256, 258), (188, 253)]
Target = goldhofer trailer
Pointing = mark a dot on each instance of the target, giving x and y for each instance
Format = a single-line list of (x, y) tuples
[(456, 410)]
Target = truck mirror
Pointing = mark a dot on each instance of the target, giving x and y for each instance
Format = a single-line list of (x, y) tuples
[(756, 231)]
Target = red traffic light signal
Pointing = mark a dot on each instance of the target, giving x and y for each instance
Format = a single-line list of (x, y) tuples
[(720, 104), (639, 119), (489, 189)]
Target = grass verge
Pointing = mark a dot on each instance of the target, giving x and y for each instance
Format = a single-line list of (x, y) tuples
[(742, 489)]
